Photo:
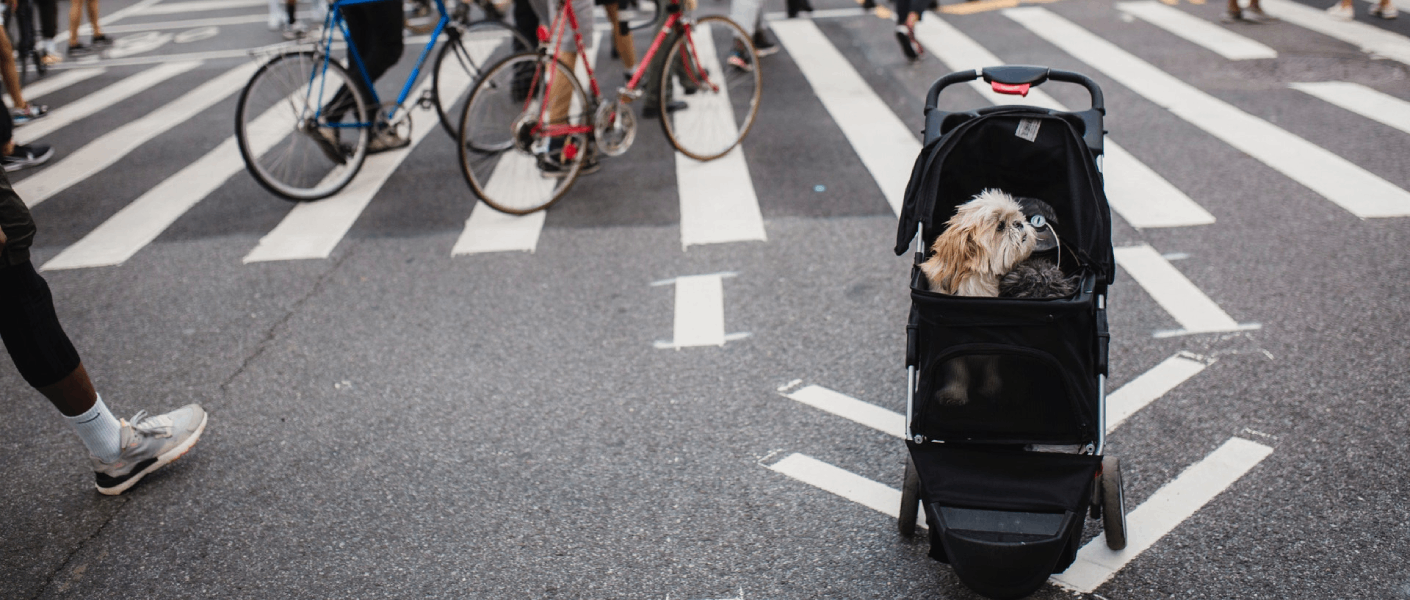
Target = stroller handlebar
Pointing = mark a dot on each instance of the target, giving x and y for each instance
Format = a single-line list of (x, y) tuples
[(1016, 77)]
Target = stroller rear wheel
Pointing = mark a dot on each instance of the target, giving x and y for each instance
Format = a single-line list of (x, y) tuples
[(1113, 504), (910, 500)]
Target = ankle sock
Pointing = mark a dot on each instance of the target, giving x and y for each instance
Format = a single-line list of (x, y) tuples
[(99, 430)]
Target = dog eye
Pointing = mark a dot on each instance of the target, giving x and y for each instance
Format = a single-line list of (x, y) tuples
[(1001, 225)]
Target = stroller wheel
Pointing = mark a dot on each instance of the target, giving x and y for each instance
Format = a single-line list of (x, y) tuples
[(910, 500), (1113, 504)]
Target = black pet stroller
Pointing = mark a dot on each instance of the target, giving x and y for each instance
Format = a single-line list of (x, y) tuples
[(1007, 474)]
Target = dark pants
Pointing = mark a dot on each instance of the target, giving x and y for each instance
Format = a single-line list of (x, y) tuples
[(375, 28), (7, 132), (28, 325), (48, 18)]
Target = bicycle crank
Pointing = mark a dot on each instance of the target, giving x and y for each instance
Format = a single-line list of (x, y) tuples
[(614, 126)]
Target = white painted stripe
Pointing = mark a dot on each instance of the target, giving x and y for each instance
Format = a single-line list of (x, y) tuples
[(64, 115), (488, 230), (886, 145), (139, 223), (112, 146), (312, 229), (1152, 384), (1212, 37), (717, 198), (1362, 100), (112, 17), (1369, 38), (1171, 505), (876, 496), (193, 23), (172, 8), (1400, 4), (1335, 178), (700, 312), (59, 81), (1195, 312), (1136, 192), (847, 407)]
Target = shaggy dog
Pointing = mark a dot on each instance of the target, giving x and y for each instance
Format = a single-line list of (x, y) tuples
[(1039, 276)]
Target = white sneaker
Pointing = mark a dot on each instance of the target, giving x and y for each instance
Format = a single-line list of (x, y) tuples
[(1390, 11), (276, 22), (1341, 11), (148, 444)]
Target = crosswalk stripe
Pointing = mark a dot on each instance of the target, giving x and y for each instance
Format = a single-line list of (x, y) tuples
[(717, 198), (64, 115), (847, 407), (49, 85), (1190, 307), (1335, 178), (1136, 192), (1369, 38), (312, 229), (1169, 506), (192, 23), (841, 482), (111, 147), (885, 144), (200, 5), (111, 17), (1149, 386), (1362, 100), (488, 230), (139, 223), (1212, 37)]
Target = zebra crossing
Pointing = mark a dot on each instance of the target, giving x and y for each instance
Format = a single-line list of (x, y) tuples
[(718, 201)]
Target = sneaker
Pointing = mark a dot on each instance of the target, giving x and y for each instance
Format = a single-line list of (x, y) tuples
[(28, 113), (295, 30), (25, 157), (387, 140), (652, 112), (909, 46), (79, 49), (1341, 11), (148, 444), (1390, 11), (1255, 14), (276, 21), (763, 46), (100, 40), (51, 59), (550, 166), (738, 60), (327, 141)]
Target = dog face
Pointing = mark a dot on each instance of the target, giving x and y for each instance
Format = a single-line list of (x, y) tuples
[(985, 239)]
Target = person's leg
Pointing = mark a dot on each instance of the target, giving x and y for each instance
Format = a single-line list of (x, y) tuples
[(274, 15), (621, 37), (49, 28), (8, 73), (75, 18), (93, 20), (907, 14)]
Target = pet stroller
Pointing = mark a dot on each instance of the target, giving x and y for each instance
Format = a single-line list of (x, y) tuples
[(1007, 474)]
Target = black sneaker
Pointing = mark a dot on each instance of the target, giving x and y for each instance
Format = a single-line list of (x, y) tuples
[(327, 141), (909, 46), (763, 46), (101, 40), (25, 157), (79, 50), (552, 168), (651, 112)]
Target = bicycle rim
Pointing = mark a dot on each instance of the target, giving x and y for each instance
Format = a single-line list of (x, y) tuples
[(714, 70), (513, 165), (463, 57), (295, 141)]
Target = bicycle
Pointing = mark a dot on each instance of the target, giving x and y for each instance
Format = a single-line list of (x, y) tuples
[(303, 125), (523, 141)]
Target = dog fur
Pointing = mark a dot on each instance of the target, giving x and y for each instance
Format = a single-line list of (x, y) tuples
[(984, 240)]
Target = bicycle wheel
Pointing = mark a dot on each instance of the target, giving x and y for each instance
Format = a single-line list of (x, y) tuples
[(712, 67), (302, 126), (512, 161), (420, 16), (462, 58)]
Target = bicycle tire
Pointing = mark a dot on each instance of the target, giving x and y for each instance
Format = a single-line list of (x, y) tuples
[(509, 96), (261, 120), (710, 47), (458, 56)]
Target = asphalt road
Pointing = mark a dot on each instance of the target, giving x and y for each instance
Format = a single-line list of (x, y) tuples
[(394, 421)]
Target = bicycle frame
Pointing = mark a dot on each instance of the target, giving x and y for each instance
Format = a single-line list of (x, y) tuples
[(335, 18)]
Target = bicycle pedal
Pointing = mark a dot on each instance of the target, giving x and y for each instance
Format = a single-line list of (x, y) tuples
[(426, 101)]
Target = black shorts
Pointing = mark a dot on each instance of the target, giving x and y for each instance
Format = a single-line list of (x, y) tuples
[(17, 224)]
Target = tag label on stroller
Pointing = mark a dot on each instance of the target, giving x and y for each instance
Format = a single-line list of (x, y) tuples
[(1028, 129)]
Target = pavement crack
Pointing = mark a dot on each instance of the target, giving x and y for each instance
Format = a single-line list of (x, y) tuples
[(48, 581), (273, 330)]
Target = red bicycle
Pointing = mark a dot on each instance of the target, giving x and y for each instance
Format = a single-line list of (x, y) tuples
[(529, 127)]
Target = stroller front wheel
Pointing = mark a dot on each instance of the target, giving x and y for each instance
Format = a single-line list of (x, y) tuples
[(910, 500), (1113, 504)]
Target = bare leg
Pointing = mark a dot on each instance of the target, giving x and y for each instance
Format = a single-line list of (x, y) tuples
[(75, 17), (561, 99), (93, 17), (73, 395), (8, 73), (621, 38)]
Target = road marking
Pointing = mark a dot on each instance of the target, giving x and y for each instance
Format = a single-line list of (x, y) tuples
[(112, 17), (139, 223), (111, 147), (59, 81), (841, 482), (700, 312), (717, 198), (200, 6), (191, 23), (1195, 312), (887, 146), (1362, 100), (313, 229), (1369, 38), (1335, 178), (1163, 511), (488, 230), (847, 407), (1149, 386), (1212, 37), (102, 99), (1136, 192)]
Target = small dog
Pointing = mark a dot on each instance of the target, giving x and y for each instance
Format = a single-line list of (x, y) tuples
[(1038, 276), (984, 240)]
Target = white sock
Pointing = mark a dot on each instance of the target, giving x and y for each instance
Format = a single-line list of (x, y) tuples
[(99, 430)]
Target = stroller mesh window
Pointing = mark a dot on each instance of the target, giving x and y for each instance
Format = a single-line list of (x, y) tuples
[(990, 394)]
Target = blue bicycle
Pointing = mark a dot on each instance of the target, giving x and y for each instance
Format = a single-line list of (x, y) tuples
[(304, 125)]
